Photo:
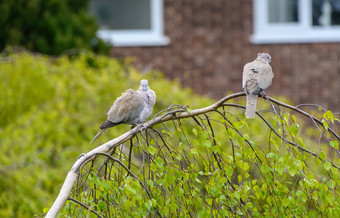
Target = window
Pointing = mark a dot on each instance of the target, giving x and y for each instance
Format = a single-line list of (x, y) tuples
[(130, 22), (299, 21)]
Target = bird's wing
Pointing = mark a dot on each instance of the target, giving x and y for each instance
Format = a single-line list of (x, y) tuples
[(149, 97), (126, 108), (249, 79), (265, 76)]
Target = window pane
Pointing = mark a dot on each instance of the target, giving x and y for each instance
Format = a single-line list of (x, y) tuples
[(326, 12), (282, 11), (122, 14)]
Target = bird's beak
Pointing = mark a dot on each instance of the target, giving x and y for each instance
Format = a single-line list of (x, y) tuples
[(270, 61)]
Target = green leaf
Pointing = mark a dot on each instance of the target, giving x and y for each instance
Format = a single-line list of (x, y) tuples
[(286, 202), (325, 124), (214, 191), (331, 184), (195, 131), (152, 150), (159, 162), (223, 180), (160, 182), (265, 169), (193, 176), (300, 142), (322, 155), (246, 137), (243, 165), (178, 157), (240, 140), (292, 170), (294, 129), (239, 212), (238, 125), (294, 118), (193, 151), (178, 191), (330, 198), (46, 209), (329, 115), (101, 205), (154, 202), (334, 144), (207, 143), (279, 168), (204, 136), (299, 193), (237, 195), (106, 185), (148, 204), (270, 155), (216, 149), (327, 165), (239, 178), (132, 190), (222, 197), (95, 179), (149, 182), (231, 132)]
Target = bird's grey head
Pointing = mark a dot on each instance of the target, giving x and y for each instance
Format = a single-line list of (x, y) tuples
[(144, 85), (265, 57)]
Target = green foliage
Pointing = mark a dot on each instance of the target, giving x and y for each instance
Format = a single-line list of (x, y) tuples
[(218, 164), (49, 26), (50, 109)]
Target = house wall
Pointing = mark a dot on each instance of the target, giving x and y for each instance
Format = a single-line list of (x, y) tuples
[(210, 45)]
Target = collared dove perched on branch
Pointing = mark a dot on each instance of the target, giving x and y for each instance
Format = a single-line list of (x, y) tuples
[(132, 107), (257, 77)]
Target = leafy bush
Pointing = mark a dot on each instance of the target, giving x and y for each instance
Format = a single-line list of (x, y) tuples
[(49, 26)]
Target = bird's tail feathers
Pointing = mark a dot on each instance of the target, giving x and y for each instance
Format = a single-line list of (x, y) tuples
[(98, 134), (108, 124), (251, 106)]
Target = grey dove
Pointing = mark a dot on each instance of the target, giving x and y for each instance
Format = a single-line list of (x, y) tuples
[(132, 107), (257, 77)]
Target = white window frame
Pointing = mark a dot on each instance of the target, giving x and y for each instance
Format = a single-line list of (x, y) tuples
[(301, 32), (153, 37)]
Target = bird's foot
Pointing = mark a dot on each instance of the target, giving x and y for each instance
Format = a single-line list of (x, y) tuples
[(141, 125), (264, 95)]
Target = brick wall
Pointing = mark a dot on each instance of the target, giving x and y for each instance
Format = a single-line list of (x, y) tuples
[(210, 44)]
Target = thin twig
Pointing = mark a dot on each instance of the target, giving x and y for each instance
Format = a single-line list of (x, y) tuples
[(83, 205)]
